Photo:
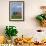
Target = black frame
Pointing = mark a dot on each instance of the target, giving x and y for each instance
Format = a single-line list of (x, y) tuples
[(9, 10)]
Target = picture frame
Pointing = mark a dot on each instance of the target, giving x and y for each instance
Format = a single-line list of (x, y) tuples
[(16, 10)]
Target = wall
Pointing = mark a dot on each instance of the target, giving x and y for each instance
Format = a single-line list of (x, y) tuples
[(31, 9)]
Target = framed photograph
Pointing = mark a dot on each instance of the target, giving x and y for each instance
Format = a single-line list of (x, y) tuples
[(16, 10)]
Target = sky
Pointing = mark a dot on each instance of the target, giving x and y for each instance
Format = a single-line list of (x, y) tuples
[(16, 7)]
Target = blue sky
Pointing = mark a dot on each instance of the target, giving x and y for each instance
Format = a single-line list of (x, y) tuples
[(16, 6)]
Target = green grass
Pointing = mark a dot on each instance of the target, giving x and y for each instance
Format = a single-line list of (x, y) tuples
[(16, 16)]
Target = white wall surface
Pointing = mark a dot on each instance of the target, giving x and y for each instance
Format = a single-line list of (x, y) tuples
[(31, 9)]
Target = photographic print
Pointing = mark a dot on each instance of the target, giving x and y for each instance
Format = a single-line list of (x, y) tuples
[(16, 10)]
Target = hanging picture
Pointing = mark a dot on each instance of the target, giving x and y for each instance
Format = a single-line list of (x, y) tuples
[(16, 10)]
